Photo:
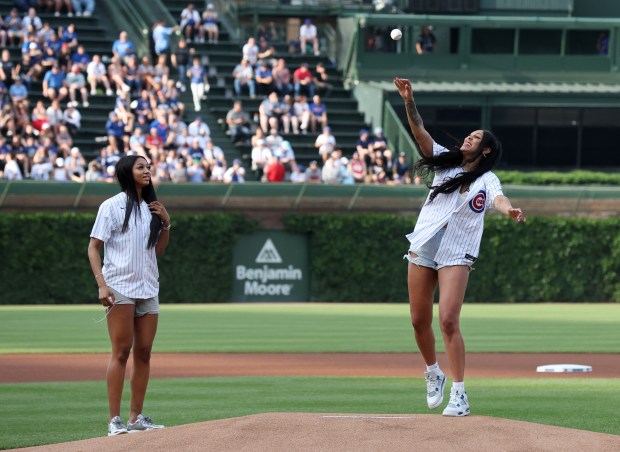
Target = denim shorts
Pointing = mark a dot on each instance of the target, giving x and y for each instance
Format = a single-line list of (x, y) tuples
[(426, 253), (143, 305)]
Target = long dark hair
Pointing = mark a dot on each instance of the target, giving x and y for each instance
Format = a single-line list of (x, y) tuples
[(124, 174), (454, 158)]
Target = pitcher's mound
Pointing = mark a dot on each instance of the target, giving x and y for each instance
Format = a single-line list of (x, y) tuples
[(350, 432)]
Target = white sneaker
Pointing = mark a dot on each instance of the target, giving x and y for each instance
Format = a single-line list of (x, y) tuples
[(109, 92), (458, 404), (142, 423), (435, 383), (116, 427)]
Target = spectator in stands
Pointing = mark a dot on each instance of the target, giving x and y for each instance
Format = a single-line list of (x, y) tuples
[(48, 60), (31, 22), (244, 76), (286, 154), (289, 114), (308, 35), (58, 6), (198, 126), (178, 174), (236, 173), (116, 74), (76, 165), (379, 172), (196, 171), (12, 170), (313, 173), (96, 73), (345, 176), (331, 168), (320, 80), (64, 57), (270, 111), (274, 141), (298, 175), (13, 25), (602, 43), (302, 78), (250, 52), (44, 35), (301, 115), (264, 79), (210, 25), (131, 77), (325, 143), (161, 72), (123, 47), (282, 78), (258, 135), (77, 82), (80, 58), (318, 113), (358, 168), (39, 116), (83, 7), (161, 37), (7, 68), (18, 92), (238, 122), (54, 84), (426, 41), (275, 170), (115, 129), (94, 172), (190, 22), (402, 169), (180, 60), (69, 36), (261, 154), (198, 82), (266, 51), (213, 153), (72, 119), (64, 141), (41, 164)]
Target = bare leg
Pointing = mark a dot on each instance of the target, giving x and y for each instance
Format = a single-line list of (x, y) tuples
[(120, 328), (145, 329), (422, 282), (452, 286)]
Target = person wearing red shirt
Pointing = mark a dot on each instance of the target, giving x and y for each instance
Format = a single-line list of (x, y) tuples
[(275, 170), (302, 77)]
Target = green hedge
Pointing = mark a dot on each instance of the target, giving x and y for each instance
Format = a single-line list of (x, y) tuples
[(558, 178), (352, 258), (359, 258), (43, 258)]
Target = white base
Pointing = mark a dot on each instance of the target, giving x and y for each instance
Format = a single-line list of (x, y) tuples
[(564, 368)]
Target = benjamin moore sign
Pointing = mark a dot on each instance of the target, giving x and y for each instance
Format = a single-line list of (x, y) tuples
[(271, 266)]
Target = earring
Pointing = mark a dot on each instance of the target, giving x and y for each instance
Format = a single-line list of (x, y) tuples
[(484, 155)]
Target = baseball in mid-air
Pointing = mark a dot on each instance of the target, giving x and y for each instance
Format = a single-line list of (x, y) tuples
[(396, 34)]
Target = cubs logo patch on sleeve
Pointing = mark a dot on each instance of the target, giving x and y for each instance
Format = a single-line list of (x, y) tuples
[(478, 201)]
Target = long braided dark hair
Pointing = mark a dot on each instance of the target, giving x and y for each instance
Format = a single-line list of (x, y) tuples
[(454, 158), (124, 174)]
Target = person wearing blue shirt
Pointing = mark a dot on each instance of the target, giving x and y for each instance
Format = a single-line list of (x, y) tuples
[(198, 82), (318, 112), (54, 84), (161, 37), (69, 36), (264, 79), (123, 47), (81, 58)]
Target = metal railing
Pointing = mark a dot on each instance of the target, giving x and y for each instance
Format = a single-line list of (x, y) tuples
[(396, 132), (349, 66)]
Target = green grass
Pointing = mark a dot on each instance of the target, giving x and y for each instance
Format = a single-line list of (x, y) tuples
[(43, 413), (585, 328)]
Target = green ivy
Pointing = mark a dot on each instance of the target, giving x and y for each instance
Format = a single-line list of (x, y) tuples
[(359, 258), (43, 258)]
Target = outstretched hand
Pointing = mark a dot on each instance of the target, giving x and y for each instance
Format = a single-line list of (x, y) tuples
[(404, 88), (516, 214)]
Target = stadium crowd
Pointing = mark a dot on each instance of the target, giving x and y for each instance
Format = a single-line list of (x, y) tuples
[(148, 116)]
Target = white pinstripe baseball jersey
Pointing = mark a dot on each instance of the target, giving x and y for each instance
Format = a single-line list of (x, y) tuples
[(129, 267), (463, 215)]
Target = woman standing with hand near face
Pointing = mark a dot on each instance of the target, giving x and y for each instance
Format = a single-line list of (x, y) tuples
[(134, 228), (445, 243)]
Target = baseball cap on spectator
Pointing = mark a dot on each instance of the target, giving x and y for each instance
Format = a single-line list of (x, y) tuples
[(75, 68), (327, 129), (60, 161), (210, 6), (378, 130), (75, 150), (363, 131), (308, 21), (403, 154), (141, 117), (344, 161), (237, 162), (32, 45), (313, 162)]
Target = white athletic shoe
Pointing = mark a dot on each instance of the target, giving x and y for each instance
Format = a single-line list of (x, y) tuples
[(435, 383), (116, 427), (458, 404), (142, 423)]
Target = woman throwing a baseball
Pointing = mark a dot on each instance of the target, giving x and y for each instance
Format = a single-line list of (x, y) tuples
[(134, 228), (445, 242)]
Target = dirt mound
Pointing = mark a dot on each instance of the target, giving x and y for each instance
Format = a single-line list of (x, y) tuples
[(289, 432)]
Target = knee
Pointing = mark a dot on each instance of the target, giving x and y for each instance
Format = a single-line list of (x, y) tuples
[(449, 325), (121, 354), (142, 355)]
